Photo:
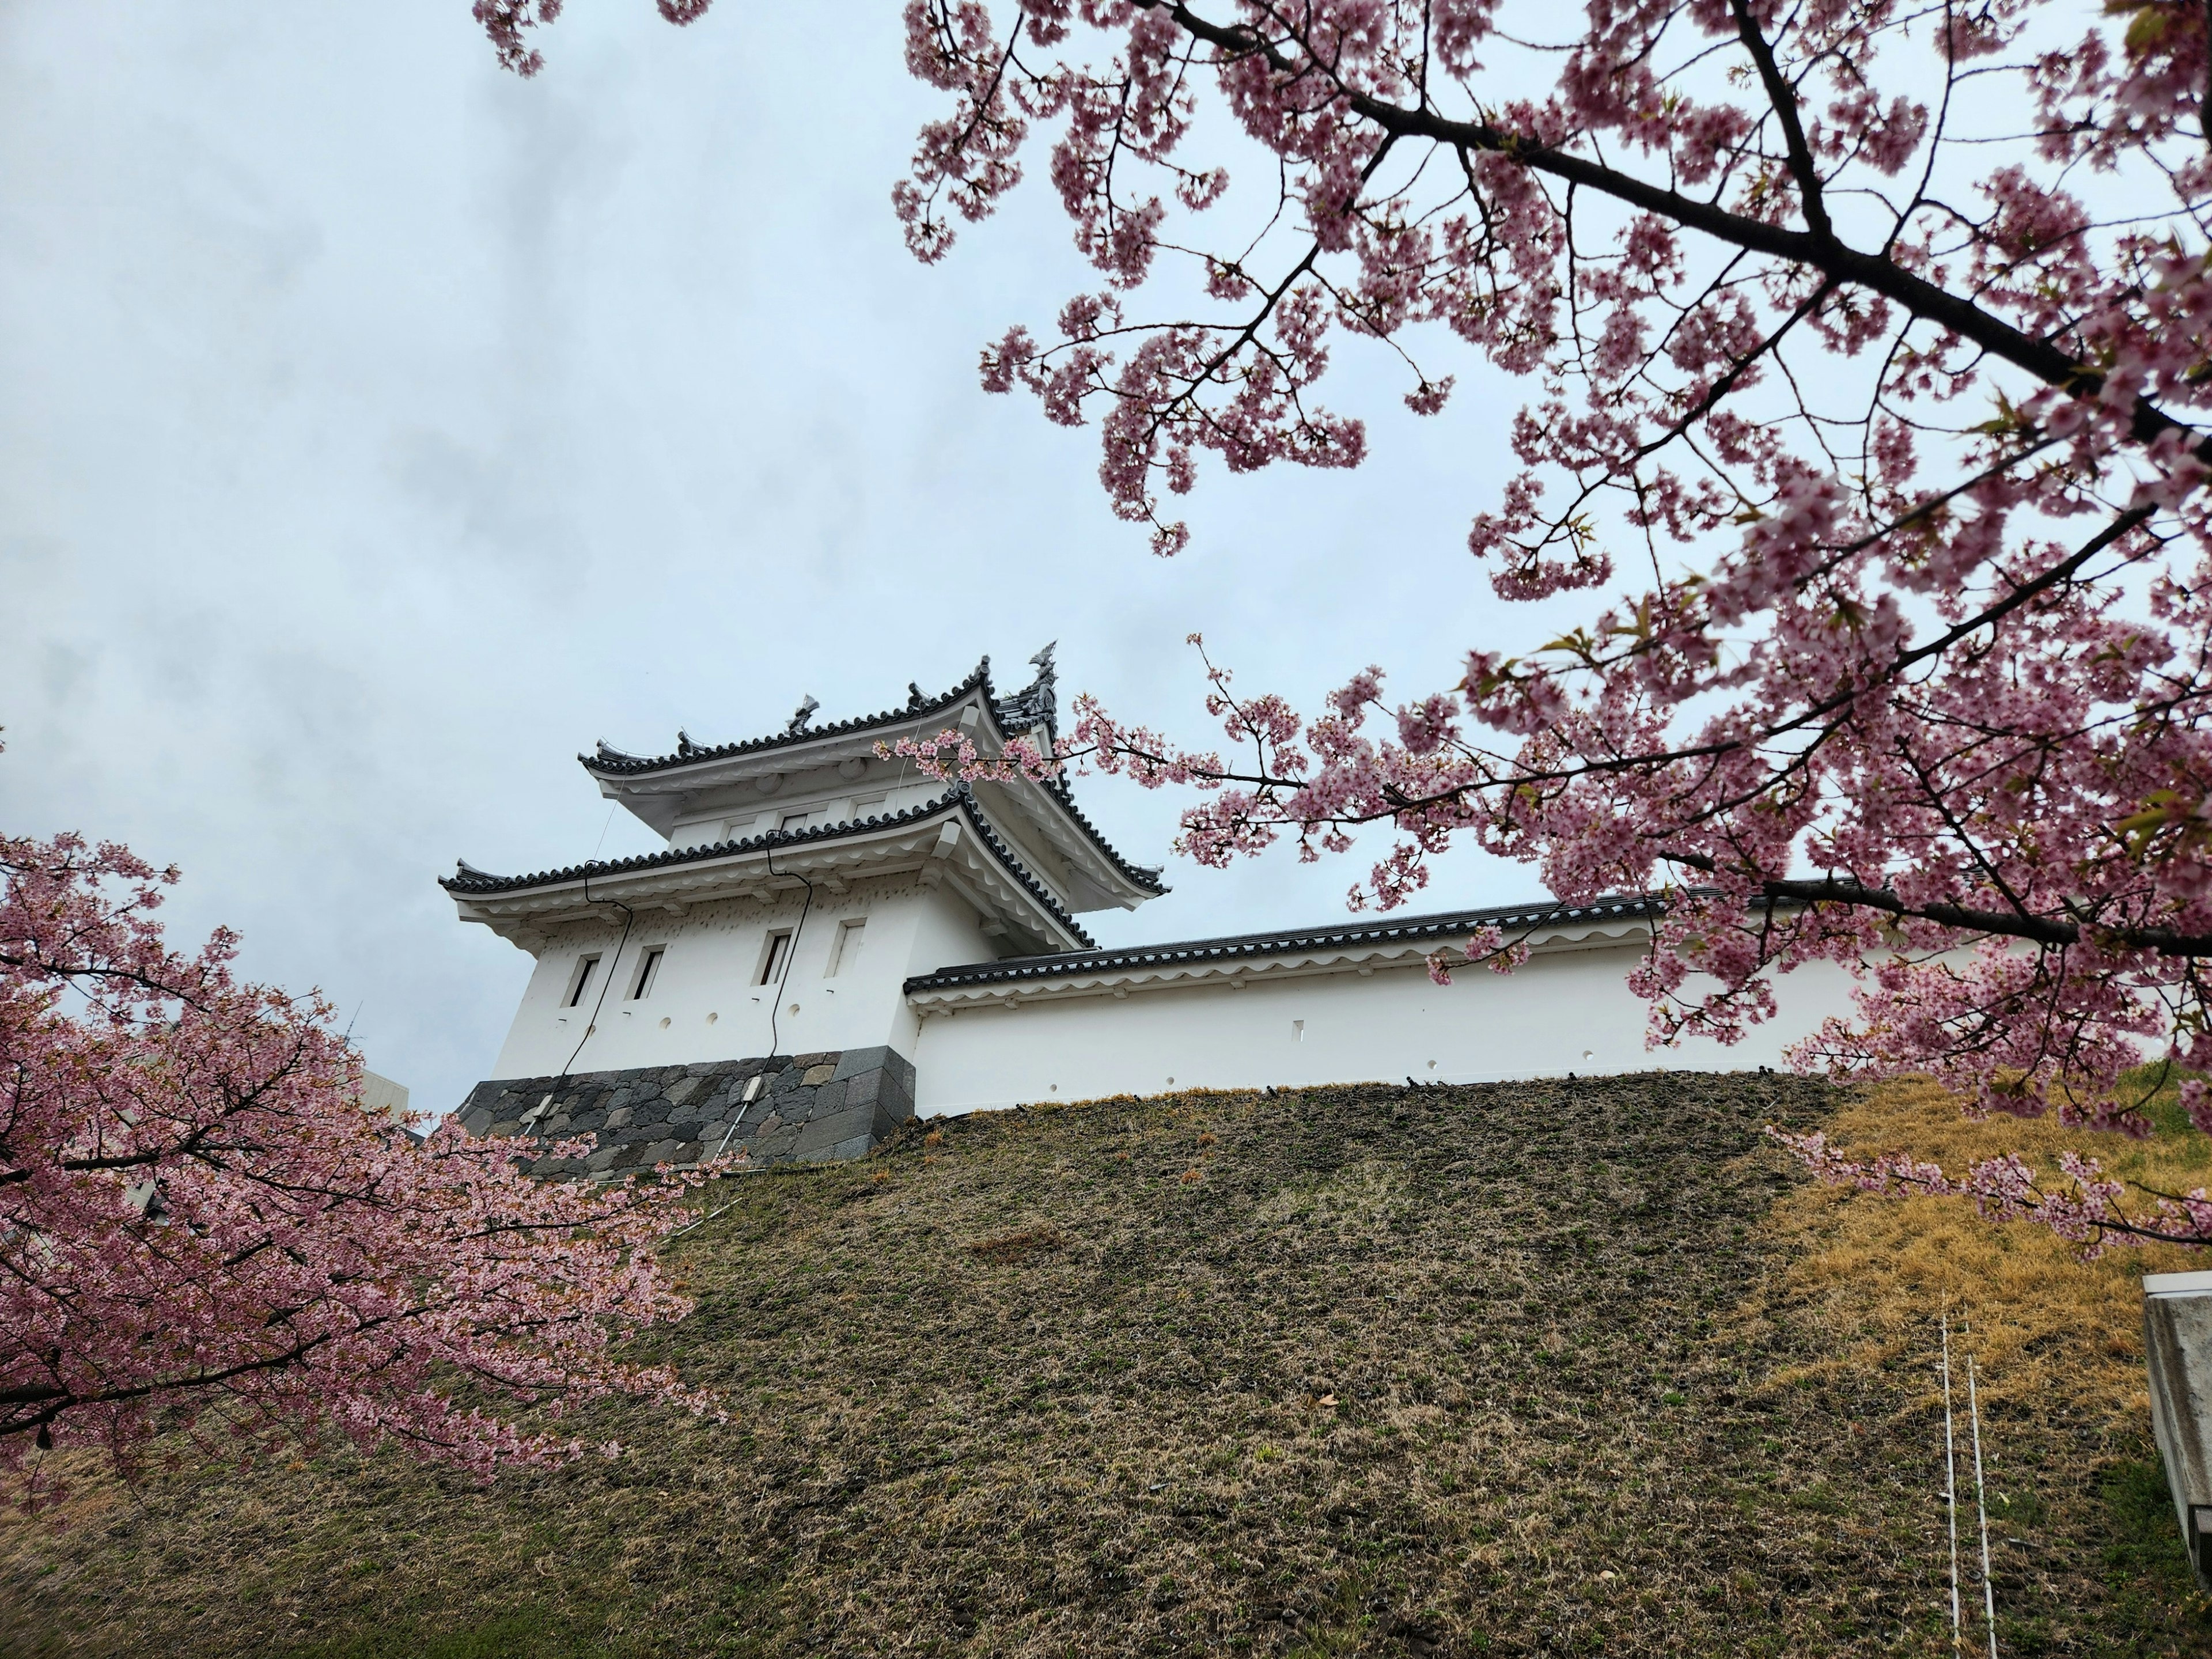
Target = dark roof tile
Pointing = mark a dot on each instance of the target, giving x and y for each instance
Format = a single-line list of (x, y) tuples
[(468, 881), (1411, 929), (613, 762)]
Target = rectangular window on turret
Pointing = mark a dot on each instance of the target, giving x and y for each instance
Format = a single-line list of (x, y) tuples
[(648, 969), (582, 980), (773, 958), (845, 949)]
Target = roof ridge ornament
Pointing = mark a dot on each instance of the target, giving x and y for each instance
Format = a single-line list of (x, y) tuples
[(609, 752), (1037, 703), (684, 746), (803, 713)]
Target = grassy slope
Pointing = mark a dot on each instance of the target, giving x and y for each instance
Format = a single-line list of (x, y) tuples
[(1474, 1370)]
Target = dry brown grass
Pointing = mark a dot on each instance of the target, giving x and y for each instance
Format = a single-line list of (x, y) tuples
[(2047, 1328), (1525, 1370), (1013, 1246)]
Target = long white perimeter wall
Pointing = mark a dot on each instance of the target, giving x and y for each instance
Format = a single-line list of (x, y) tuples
[(1563, 1011)]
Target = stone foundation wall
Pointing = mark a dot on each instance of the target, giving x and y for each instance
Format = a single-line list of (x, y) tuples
[(806, 1109)]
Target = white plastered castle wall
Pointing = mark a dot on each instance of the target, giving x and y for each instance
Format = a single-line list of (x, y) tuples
[(705, 1002), (1566, 1010), (972, 878)]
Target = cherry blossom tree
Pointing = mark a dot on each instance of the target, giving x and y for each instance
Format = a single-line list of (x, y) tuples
[(1866, 348), (203, 1229)]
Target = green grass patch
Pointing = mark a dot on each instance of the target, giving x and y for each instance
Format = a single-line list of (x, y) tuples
[(529, 1632)]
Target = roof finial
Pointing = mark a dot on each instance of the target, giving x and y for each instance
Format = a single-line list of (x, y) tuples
[(1037, 703), (805, 713), (913, 697), (683, 743)]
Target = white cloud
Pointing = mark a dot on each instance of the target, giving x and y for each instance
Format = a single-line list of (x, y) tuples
[(377, 430)]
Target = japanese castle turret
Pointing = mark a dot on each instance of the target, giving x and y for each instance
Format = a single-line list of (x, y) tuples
[(833, 940)]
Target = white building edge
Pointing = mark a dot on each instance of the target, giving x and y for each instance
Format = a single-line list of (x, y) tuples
[(833, 941)]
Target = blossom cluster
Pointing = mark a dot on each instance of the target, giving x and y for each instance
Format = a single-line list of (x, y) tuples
[(203, 1229), (1916, 681), (2084, 1206), (1868, 351)]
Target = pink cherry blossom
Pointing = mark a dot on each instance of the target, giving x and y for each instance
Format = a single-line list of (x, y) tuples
[(203, 1229), (1868, 364)]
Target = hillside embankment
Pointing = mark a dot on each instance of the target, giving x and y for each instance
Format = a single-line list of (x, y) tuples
[(1582, 1367)]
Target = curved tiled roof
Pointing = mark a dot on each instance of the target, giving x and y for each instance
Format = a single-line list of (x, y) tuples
[(470, 881), (1146, 876), (616, 764), (611, 762), (1412, 930)]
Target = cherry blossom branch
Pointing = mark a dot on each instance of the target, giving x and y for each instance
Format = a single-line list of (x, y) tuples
[(2085, 1211)]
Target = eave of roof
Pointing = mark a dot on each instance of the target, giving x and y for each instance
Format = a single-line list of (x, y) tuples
[(1146, 877), (611, 763), (479, 883), (1412, 930)]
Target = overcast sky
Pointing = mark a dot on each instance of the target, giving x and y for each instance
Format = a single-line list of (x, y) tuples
[(377, 430)]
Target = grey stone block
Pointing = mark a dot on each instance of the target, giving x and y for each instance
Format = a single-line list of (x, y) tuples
[(774, 1144), (854, 1061), (821, 1134), (880, 1058), (683, 1114), (898, 1095)]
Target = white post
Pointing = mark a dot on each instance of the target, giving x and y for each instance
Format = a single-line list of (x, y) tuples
[(1951, 1480), (1981, 1508)]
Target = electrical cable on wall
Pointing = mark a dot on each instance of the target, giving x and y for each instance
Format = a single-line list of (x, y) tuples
[(775, 1014), (614, 966), (775, 1006)]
